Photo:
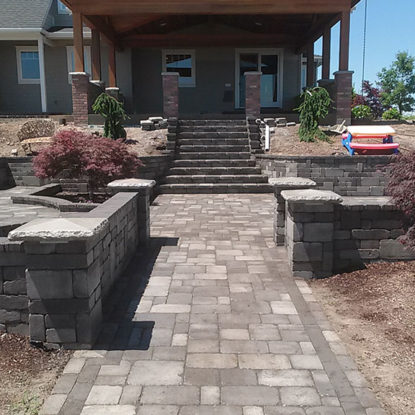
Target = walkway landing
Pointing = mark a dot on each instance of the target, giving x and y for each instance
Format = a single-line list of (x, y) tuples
[(221, 328)]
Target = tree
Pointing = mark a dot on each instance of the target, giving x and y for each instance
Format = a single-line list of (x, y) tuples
[(371, 98), (398, 83)]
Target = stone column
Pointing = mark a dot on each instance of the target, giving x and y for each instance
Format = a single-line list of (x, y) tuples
[(170, 94), (343, 96), (113, 91), (253, 94), (80, 85), (280, 184), (309, 231), (144, 189)]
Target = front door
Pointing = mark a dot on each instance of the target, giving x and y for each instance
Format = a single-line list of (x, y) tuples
[(268, 62)]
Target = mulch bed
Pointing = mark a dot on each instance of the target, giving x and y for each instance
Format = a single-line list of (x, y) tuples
[(373, 310), (26, 370)]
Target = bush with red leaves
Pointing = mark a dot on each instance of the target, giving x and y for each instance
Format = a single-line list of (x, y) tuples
[(402, 189), (76, 154)]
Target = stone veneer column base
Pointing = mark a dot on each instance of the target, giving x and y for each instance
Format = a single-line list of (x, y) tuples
[(113, 92), (343, 100), (80, 84), (170, 94), (253, 94)]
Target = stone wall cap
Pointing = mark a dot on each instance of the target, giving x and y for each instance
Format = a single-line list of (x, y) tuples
[(287, 182), (59, 229), (362, 201), (78, 73), (131, 184), (311, 196)]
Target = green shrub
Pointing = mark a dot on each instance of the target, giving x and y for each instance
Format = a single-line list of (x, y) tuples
[(114, 114), (315, 105), (391, 114), (361, 111)]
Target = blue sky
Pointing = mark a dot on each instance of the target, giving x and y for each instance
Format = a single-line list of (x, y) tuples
[(390, 28)]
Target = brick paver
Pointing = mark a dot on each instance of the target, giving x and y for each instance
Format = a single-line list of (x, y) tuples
[(210, 322)]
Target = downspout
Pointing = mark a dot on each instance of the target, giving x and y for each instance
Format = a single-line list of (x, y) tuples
[(43, 95)]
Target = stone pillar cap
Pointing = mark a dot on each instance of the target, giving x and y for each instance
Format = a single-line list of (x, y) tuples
[(170, 73), (288, 182), (253, 73), (131, 184), (78, 73), (311, 196), (57, 230), (112, 88), (343, 72)]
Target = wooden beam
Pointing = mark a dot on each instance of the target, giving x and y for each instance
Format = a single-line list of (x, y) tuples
[(326, 53), (112, 73), (98, 23), (124, 24), (78, 42), (219, 39), (96, 55), (128, 7), (344, 41), (310, 65)]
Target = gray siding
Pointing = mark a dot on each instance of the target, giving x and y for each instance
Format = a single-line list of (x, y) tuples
[(215, 67), (16, 98), (56, 19)]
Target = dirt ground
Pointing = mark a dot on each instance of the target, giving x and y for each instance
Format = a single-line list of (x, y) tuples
[(285, 141), (27, 374), (373, 311), (143, 143)]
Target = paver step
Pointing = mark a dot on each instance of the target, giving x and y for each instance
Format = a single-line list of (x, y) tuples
[(213, 134), (214, 170), (213, 155), (211, 122), (29, 181), (215, 128), (210, 148), (216, 188), (214, 163), (212, 141), (225, 178), (22, 164)]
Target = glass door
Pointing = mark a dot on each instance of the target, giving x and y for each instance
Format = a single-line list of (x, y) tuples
[(268, 64)]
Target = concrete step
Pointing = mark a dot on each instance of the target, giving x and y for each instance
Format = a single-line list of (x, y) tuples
[(213, 163), (200, 178), (214, 128), (175, 171), (210, 148), (215, 188), (185, 123), (212, 141), (213, 134), (213, 156)]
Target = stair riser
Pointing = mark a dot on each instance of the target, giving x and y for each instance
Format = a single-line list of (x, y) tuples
[(213, 163), (215, 179), (211, 123), (213, 141), (209, 149), (213, 156), (214, 128), (214, 171), (211, 135)]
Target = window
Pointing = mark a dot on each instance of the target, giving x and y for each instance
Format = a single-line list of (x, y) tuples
[(28, 71), (183, 62), (62, 9), (71, 60)]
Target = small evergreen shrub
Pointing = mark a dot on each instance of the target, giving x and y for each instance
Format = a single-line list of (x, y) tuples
[(113, 113), (402, 189), (361, 112), (315, 105), (391, 114), (76, 154)]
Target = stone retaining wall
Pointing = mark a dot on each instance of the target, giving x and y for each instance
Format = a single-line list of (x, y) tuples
[(345, 175), (6, 176), (69, 265), (154, 168), (14, 308)]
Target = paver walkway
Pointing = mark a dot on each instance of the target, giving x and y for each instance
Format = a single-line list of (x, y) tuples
[(221, 328)]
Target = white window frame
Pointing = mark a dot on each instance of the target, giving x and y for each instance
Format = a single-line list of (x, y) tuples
[(69, 50), (261, 51), (62, 9), (183, 82), (19, 50)]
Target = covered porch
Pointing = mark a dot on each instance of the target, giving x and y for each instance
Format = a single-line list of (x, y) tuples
[(214, 56)]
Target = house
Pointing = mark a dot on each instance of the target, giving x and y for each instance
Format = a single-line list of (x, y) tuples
[(173, 57)]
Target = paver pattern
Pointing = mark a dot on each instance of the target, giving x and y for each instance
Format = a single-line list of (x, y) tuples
[(14, 214), (210, 322)]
